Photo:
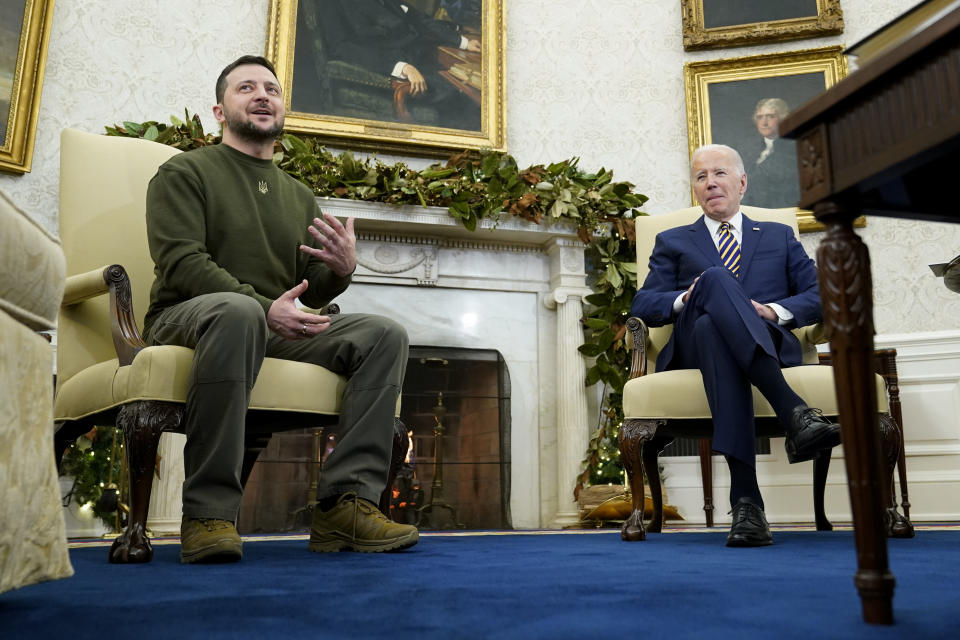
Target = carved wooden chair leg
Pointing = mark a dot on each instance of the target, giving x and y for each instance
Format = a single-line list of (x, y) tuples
[(401, 444), (898, 526), (633, 435), (887, 367), (141, 423), (650, 451), (630, 449), (902, 472), (705, 447), (821, 465)]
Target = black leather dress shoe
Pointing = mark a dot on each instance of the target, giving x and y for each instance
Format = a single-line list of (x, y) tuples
[(809, 434), (749, 528)]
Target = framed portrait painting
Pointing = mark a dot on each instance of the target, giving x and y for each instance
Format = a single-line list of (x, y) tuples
[(709, 24), (24, 33), (424, 77), (740, 101)]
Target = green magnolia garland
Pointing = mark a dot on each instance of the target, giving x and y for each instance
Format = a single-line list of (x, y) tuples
[(489, 185)]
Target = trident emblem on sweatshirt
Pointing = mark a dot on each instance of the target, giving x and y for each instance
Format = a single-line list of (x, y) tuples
[(262, 186)]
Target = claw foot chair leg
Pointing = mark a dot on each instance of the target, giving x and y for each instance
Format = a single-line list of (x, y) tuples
[(898, 525), (634, 434), (142, 423)]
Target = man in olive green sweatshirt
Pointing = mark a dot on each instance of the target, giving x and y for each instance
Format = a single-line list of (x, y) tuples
[(235, 242)]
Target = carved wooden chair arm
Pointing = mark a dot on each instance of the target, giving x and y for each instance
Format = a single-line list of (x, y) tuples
[(123, 325), (637, 334), (112, 279)]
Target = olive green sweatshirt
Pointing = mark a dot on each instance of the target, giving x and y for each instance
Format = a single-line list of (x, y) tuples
[(221, 220)]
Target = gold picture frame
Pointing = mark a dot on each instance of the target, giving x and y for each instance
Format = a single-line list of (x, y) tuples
[(733, 23), (725, 96), (350, 103), (24, 35)]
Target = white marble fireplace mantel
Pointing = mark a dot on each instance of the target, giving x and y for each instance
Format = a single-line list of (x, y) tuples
[(513, 286)]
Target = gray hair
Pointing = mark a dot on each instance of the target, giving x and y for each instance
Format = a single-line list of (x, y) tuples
[(737, 160), (777, 104)]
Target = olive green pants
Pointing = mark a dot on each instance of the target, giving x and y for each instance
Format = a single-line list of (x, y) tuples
[(229, 334)]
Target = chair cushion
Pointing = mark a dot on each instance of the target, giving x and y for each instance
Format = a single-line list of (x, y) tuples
[(162, 373), (679, 394), (32, 269)]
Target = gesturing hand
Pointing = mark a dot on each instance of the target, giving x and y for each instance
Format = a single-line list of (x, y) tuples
[(287, 320), (339, 244)]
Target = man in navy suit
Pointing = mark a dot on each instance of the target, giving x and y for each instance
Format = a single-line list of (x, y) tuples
[(733, 288)]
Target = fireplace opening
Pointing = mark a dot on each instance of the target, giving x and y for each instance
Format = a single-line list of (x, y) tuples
[(456, 407), (456, 476)]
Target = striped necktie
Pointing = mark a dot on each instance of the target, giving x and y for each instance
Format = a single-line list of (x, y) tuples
[(729, 249)]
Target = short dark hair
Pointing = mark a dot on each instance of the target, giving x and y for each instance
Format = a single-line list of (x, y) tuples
[(239, 62)]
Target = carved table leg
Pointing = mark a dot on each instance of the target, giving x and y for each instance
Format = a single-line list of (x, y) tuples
[(142, 423), (898, 526), (847, 293), (634, 434)]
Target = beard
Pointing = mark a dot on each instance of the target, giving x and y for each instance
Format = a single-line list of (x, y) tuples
[(246, 129)]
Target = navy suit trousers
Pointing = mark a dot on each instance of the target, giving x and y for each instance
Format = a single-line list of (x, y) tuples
[(720, 333)]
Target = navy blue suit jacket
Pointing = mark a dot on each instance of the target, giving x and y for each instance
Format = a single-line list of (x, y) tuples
[(774, 268)]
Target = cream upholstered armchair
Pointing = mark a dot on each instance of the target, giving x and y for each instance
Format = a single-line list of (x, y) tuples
[(660, 406), (106, 374), (33, 539)]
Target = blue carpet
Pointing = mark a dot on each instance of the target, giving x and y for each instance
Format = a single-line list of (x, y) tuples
[(677, 585)]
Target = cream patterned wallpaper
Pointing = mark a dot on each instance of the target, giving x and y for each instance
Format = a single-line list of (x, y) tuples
[(597, 79), (136, 60)]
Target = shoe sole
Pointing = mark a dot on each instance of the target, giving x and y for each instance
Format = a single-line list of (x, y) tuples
[(331, 542), (750, 543), (220, 552), (827, 441)]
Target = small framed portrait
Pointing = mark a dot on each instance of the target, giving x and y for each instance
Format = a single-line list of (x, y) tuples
[(423, 77), (24, 33), (739, 102), (710, 24)]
